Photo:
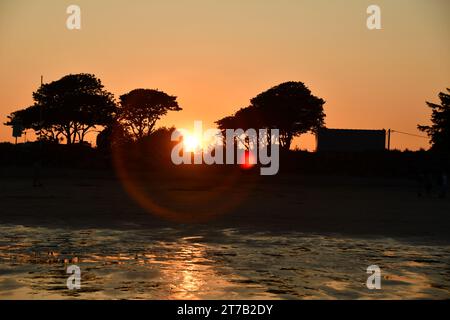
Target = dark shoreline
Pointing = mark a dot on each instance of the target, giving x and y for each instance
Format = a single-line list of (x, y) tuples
[(342, 205)]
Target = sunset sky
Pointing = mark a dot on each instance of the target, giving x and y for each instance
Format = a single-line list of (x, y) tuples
[(216, 55)]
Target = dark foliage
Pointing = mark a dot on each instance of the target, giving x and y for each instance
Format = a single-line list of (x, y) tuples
[(68, 108), (289, 107), (140, 109), (439, 131)]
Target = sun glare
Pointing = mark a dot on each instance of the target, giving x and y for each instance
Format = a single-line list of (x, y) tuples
[(191, 143)]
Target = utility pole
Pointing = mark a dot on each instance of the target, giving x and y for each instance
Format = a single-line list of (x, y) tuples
[(389, 140), (40, 116)]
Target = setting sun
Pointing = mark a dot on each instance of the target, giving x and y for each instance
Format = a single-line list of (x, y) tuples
[(236, 158), (191, 142)]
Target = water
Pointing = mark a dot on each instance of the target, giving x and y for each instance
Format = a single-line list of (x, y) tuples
[(170, 263)]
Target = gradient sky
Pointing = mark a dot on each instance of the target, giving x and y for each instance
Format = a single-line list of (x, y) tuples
[(216, 55)]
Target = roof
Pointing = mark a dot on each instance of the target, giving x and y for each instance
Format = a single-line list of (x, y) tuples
[(353, 130)]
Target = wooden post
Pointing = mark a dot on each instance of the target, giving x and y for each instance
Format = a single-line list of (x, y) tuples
[(389, 140)]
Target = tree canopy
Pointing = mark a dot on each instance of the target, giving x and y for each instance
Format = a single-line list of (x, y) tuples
[(439, 130), (140, 109), (69, 107), (289, 107)]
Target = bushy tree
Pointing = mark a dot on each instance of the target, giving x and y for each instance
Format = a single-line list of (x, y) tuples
[(289, 107), (140, 109), (439, 130), (69, 108)]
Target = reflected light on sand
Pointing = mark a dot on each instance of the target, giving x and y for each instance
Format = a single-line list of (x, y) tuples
[(189, 273), (228, 264)]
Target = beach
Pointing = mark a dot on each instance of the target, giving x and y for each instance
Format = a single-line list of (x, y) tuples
[(289, 237)]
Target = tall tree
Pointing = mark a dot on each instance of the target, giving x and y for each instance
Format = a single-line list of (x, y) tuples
[(439, 131), (140, 109), (289, 107), (70, 107)]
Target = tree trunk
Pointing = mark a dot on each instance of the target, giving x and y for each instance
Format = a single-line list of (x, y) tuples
[(287, 142), (68, 135)]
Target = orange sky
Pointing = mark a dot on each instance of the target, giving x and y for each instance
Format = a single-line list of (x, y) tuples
[(217, 54)]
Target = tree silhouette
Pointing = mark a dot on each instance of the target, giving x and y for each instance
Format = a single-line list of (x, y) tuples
[(245, 118), (31, 118), (113, 135), (70, 107), (139, 110), (439, 131), (289, 107)]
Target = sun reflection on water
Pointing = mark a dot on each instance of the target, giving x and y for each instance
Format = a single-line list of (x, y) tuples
[(214, 264)]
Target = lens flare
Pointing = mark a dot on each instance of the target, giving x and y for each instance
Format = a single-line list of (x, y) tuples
[(249, 160)]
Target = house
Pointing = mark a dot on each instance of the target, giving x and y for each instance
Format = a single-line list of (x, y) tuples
[(350, 140)]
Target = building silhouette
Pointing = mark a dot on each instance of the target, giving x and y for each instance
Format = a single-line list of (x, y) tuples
[(353, 140)]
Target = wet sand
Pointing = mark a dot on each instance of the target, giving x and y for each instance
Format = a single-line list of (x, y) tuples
[(167, 263), (342, 205), (289, 237)]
